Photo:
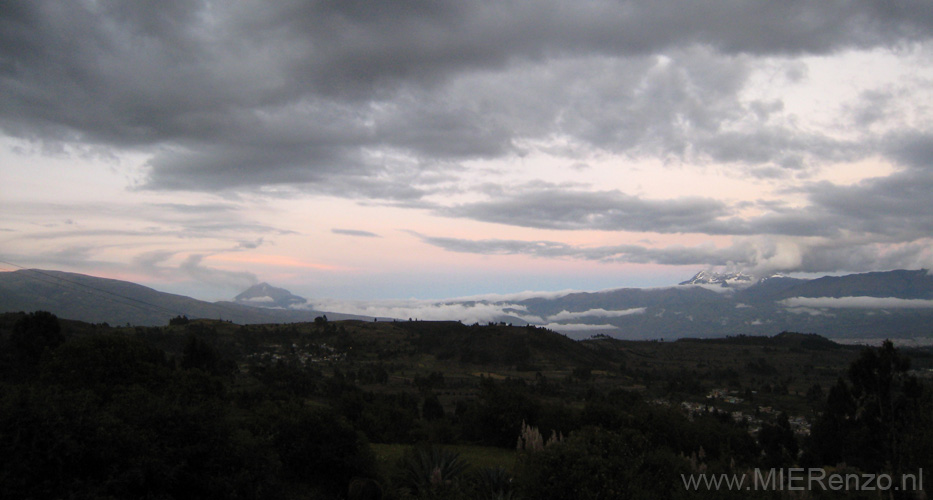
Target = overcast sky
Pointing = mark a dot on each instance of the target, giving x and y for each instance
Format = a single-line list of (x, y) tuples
[(431, 149)]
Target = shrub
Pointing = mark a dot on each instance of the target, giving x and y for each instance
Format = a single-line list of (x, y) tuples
[(493, 483), (431, 472)]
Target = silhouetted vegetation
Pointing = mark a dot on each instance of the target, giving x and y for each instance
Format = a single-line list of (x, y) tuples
[(877, 419), (350, 409)]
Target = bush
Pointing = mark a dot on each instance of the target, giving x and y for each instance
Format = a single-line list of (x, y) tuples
[(596, 463), (493, 483), (431, 472), (34, 335), (106, 362), (318, 449)]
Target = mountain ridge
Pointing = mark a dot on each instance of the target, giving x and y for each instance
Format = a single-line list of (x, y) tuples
[(732, 279), (762, 308), (104, 300), (895, 304)]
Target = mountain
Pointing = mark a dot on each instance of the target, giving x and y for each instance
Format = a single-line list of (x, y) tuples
[(895, 304), (901, 284), (268, 296), (100, 300), (891, 304), (737, 279)]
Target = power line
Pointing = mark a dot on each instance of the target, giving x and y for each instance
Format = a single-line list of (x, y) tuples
[(54, 280)]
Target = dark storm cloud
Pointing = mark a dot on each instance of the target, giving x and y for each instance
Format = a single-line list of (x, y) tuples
[(387, 101), (246, 94), (168, 222), (365, 43), (614, 211), (854, 256), (911, 148), (761, 256), (879, 223), (672, 255), (779, 147), (607, 210), (898, 206)]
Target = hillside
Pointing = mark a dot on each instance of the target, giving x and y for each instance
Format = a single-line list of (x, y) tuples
[(704, 307), (100, 300), (299, 410), (901, 284)]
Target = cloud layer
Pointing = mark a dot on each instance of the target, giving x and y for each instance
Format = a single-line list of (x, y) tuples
[(548, 118), (245, 94), (857, 303)]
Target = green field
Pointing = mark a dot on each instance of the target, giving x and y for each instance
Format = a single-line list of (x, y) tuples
[(388, 456)]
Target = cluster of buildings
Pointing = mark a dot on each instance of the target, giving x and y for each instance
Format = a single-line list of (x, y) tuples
[(799, 424), (294, 353)]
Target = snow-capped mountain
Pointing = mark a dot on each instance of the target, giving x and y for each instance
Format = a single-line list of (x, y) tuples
[(737, 279), (266, 295), (884, 304)]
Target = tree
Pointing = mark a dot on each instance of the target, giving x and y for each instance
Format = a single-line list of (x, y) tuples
[(595, 463), (178, 320), (318, 449), (873, 420), (109, 418), (778, 443), (432, 409), (828, 440), (496, 417), (199, 355), (106, 362), (35, 334)]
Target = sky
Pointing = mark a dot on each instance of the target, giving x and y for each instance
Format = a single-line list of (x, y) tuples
[(434, 149)]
